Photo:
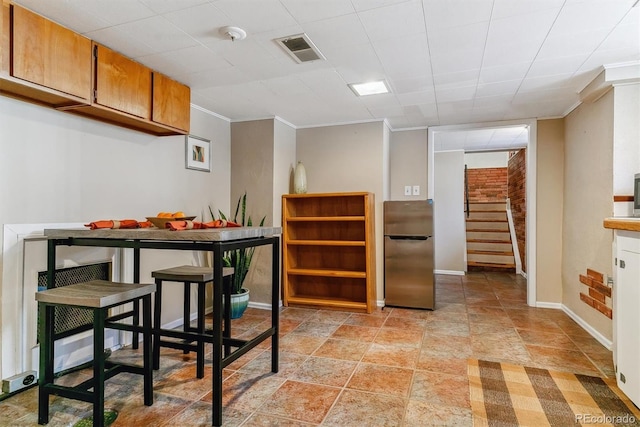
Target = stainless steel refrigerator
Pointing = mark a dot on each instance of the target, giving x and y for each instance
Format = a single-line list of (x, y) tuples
[(408, 254)]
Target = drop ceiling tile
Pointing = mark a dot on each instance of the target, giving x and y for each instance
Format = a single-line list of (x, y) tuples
[(506, 72), (589, 15), (562, 94), (456, 61), (456, 13), (451, 94), (356, 63), (426, 97), (399, 20), (361, 5), (166, 6), (412, 84), (118, 12), (555, 66), (510, 8), (202, 22), (317, 10), (404, 56), (429, 109), (503, 88), (158, 33), (243, 52), (339, 32), (185, 61), (121, 41), (265, 15), (465, 38), (215, 78), (556, 46), (66, 14)]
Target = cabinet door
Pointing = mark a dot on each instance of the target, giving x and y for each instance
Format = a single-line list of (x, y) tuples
[(50, 55), (171, 102), (122, 84)]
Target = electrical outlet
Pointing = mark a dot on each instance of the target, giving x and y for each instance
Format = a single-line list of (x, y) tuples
[(407, 190), (416, 190)]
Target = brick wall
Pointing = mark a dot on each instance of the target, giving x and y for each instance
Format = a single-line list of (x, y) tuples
[(517, 185), (487, 184), (599, 296)]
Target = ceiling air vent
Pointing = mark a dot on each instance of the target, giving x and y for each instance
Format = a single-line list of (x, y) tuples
[(300, 48)]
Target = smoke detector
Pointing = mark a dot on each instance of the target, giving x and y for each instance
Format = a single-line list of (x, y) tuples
[(234, 33), (300, 48)]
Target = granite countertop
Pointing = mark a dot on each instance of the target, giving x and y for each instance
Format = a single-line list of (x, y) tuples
[(623, 223), (206, 235)]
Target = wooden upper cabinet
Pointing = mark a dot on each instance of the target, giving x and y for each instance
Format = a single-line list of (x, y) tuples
[(49, 54), (171, 102), (121, 83)]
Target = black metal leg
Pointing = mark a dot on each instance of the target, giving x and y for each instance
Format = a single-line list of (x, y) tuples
[(216, 397), (136, 304), (227, 313), (186, 311), (45, 337), (99, 316), (157, 325), (147, 350), (200, 330), (275, 304)]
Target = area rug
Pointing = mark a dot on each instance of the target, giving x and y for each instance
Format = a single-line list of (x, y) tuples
[(510, 395)]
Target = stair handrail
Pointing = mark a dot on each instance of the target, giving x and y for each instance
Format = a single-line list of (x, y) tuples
[(514, 240), (466, 190)]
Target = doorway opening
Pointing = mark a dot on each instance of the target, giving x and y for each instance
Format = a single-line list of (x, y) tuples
[(447, 146)]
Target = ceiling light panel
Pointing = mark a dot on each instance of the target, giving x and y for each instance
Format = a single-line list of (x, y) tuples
[(369, 88)]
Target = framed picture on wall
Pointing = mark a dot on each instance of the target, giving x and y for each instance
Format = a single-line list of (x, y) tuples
[(197, 153)]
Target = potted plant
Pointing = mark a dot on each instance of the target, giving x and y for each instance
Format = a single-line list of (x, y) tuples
[(239, 259)]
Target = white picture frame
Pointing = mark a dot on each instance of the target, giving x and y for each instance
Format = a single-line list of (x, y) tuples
[(197, 153)]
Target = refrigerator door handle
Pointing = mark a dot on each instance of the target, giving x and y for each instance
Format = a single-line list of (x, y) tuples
[(409, 237)]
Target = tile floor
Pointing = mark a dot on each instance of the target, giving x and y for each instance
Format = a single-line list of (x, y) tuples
[(395, 367)]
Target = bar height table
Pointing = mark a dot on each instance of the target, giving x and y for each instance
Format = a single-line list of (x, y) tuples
[(217, 241)]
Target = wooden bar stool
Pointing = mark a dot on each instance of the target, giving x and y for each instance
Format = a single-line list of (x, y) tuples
[(187, 275), (98, 296)]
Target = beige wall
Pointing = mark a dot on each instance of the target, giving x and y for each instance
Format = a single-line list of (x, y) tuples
[(57, 167), (449, 219), (347, 158), (252, 170), (548, 216), (408, 163), (588, 199)]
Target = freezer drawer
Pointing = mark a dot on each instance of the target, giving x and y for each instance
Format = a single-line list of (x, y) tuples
[(408, 272)]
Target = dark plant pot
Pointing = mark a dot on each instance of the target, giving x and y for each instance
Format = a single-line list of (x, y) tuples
[(239, 303)]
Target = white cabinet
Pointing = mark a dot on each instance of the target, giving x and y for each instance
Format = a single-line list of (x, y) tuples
[(626, 314)]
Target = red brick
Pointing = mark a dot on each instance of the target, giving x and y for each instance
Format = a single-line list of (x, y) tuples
[(596, 295), (596, 275)]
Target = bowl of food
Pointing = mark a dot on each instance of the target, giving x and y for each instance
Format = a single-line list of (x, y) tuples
[(163, 218)]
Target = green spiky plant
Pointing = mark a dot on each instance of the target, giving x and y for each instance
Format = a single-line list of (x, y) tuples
[(239, 259)]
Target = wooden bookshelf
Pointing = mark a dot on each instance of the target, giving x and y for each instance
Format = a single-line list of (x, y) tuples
[(329, 250)]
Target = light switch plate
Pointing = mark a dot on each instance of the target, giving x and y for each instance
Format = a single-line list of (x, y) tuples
[(416, 190), (407, 190)]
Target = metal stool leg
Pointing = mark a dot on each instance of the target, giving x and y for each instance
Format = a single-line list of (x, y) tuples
[(186, 310), (46, 331), (156, 324), (99, 316), (147, 350), (200, 330)]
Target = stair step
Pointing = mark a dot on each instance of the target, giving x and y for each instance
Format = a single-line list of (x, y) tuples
[(489, 252), (491, 259), (487, 226), (489, 246), (487, 215), (487, 206), (499, 236), (488, 264)]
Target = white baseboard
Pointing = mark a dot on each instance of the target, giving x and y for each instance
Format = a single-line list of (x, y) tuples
[(597, 335), (450, 272), (523, 274), (554, 305)]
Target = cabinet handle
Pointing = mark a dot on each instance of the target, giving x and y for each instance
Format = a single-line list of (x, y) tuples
[(622, 265)]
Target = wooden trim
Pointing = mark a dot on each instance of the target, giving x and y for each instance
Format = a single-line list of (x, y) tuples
[(623, 198), (622, 224)]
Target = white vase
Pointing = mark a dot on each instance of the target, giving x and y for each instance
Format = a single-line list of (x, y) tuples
[(300, 179)]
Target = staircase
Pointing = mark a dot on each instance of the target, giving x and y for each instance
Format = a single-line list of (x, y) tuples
[(488, 237)]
